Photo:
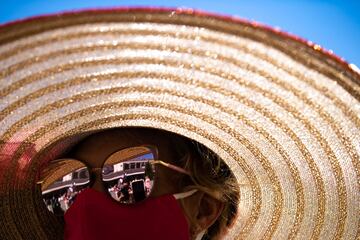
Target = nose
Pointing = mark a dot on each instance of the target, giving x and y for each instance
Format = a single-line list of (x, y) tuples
[(96, 180)]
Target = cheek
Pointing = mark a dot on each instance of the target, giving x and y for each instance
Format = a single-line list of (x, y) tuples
[(190, 211), (165, 182)]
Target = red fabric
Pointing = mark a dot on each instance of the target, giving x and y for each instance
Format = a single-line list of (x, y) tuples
[(94, 215)]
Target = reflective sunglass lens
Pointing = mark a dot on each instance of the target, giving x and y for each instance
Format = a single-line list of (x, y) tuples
[(61, 181), (128, 174)]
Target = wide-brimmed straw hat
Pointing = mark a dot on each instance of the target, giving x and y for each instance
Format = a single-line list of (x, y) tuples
[(283, 113)]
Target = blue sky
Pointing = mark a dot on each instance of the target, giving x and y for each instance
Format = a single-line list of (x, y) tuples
[(333, 24)]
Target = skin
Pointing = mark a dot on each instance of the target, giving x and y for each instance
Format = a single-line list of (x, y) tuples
[(95, 149)]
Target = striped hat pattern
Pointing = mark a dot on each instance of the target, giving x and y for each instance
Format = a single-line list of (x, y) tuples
[(282, 112)]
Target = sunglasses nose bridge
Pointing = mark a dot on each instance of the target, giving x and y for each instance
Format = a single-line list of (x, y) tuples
[(95, 174), (96, 179)]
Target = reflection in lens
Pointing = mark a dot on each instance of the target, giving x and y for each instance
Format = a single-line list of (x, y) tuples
[(128, 174), (61, 181)]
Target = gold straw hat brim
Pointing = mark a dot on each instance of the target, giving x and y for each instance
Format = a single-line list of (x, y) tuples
[(283, 113)]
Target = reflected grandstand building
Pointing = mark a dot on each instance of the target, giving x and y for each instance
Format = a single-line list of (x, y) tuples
[(129, 169), (128, 164), (77, 178)]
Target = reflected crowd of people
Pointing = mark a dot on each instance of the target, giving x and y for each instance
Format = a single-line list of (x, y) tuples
[(60, 202), (131, 191)]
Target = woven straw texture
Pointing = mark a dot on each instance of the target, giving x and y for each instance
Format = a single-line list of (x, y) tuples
[(283, 114)]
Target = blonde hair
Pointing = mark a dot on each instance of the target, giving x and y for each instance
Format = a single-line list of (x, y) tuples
[(211, 174)]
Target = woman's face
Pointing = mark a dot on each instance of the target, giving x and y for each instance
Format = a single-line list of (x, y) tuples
[(94, 150), (199, 209)]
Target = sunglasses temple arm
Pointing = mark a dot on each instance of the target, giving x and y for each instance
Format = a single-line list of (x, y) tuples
[(168, 165)]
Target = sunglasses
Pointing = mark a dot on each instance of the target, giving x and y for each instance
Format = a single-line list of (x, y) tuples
[(128, 176)]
